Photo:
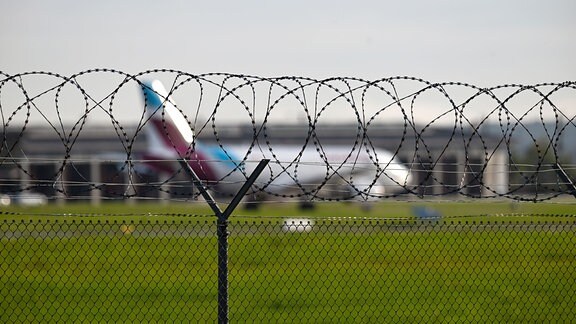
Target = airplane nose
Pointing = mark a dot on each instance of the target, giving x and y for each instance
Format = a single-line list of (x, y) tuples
[(403, 177)]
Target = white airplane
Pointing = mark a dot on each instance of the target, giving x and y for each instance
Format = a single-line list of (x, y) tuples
[(307, 173)]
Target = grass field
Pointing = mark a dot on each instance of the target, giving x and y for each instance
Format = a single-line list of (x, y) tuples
[(151, 263), (393, 209)]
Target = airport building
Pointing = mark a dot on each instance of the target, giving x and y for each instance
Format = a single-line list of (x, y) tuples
[(83, 164)]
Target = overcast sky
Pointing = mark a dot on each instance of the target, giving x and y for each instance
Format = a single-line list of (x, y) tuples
[(485, 43)]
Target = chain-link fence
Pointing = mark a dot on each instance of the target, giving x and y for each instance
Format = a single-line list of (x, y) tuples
[(103, 135), (289, 270)]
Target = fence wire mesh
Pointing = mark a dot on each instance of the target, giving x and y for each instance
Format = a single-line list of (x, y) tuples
[(289, 270), (74, 146)]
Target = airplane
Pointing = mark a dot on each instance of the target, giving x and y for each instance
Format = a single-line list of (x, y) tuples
[(306, 173)]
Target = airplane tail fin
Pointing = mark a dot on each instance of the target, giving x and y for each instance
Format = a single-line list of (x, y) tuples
[(169, 130), (170, 136)]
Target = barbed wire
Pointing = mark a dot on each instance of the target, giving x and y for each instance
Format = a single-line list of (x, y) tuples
[(332, 139)]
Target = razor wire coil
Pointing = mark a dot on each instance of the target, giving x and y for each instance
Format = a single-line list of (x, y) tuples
[(43, 98)]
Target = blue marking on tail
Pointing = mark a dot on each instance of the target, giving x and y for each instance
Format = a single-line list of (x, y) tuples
[(152, 98), (228, 158)]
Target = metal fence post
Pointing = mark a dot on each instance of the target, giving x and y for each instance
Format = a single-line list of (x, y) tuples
[(222, 229)]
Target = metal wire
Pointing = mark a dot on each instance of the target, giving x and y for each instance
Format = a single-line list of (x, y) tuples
[(515, 131), (293, 270), (74, 139)]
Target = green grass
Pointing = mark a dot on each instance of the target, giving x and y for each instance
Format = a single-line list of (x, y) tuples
[(110, 278), (388, 209), (164, 268), (491, 276)]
